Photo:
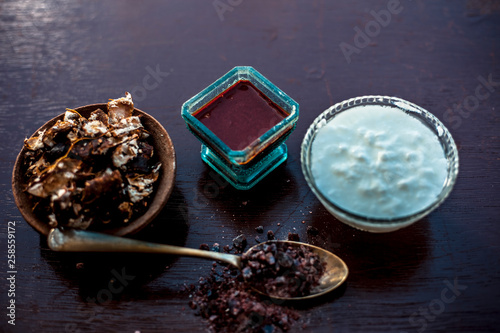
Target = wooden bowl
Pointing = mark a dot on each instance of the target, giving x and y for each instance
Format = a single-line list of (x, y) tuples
[(164, 149)]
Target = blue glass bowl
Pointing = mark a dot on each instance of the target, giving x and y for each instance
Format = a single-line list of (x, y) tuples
[(242, 168)]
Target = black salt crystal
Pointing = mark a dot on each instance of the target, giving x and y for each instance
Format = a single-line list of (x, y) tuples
[(312, 230), (240, 242), (293, 237)]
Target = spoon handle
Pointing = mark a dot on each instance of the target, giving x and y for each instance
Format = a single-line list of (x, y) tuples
[(87, 241)]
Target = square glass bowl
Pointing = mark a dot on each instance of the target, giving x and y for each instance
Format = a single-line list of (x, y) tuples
[(246, 167), (368, 223)]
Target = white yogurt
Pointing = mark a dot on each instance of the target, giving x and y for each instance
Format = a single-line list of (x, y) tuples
[(377, 161)]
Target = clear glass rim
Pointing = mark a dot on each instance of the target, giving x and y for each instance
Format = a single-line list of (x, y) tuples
[(240, 73), (444, 136)]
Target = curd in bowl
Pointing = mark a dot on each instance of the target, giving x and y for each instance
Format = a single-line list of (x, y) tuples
[(379, 163)]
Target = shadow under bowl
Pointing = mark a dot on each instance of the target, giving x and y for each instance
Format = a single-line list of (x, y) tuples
[(163, 147)]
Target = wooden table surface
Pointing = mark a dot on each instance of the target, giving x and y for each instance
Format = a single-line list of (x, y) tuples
[(439, 274)]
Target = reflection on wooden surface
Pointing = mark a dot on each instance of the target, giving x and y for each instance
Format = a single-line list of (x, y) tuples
[(56, 54)]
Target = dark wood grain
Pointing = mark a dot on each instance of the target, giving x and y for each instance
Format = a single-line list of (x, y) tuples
[(57, 54)]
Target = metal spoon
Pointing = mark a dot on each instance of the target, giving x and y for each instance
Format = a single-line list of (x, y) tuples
[(71, 240)]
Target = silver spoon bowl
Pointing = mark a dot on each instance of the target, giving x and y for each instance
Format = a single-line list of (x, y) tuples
[(71, 240)]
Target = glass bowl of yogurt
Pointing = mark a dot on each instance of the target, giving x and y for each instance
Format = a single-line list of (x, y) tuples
[(379, 163)]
